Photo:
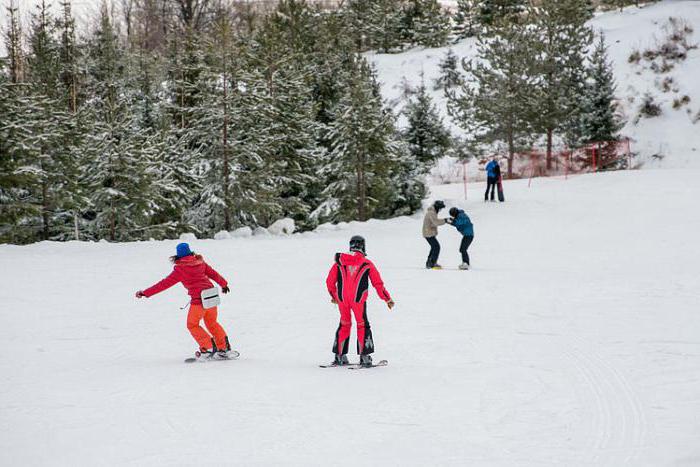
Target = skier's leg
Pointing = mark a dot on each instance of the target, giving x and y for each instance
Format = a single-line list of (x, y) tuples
[(194, 316), (492, 184), (215, 328), (365, 342), (464, 246), (340, 345), (434, 251), (488, 184)]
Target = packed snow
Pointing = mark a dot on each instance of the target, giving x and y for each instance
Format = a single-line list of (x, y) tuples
[(575, 340), (675, 134)]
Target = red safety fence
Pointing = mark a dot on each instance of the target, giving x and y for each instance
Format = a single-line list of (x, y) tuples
[(566, 162)]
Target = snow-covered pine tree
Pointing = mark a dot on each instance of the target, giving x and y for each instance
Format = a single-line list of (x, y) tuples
[(464, 20), (13, 44), (493, 103), (450, 75), (230, 128), (293, 154), (426, 23), (599, 121), (385, 27), (426, 135), (491, 12), (357, 15), (561, 44), (117, 178), (363, 151), (51, 146)]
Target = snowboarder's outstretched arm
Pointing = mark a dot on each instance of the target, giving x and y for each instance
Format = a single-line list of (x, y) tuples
[(378, 284), (172, 279), (433, 218), (216, 277), (332, 283)]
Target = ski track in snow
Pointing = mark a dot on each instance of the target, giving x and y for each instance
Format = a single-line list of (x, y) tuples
[(573, 341)]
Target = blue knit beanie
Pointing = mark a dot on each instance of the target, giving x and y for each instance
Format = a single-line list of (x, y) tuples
[(183, 249)]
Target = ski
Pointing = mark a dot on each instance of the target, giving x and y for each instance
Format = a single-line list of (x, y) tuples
[(233, 355), (362, 367)]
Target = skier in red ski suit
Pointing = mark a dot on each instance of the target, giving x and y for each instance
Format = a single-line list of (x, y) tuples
[(194, 273), (348, 284)]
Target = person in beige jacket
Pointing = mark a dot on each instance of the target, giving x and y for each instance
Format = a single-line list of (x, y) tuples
[(431, 222)]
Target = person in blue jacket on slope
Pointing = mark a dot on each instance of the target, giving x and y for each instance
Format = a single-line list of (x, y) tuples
[(460, 221)]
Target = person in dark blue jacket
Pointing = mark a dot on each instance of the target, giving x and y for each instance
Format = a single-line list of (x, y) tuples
[(463, 224), (493, 174)]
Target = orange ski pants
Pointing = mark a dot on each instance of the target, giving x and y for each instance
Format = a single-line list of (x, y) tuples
[(195, 315)]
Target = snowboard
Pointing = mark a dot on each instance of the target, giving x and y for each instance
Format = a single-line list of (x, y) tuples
[(501, 196), (354, 366), (360, 367), (233, 355)]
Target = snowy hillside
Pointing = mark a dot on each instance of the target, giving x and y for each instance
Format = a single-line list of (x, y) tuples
[(675, 134), (575, 341)]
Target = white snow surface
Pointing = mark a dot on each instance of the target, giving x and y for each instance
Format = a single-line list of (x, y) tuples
[(673, 134), (574, 341)]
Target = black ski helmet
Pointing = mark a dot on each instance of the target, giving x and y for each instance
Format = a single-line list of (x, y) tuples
[(438, 204), (357, 243), (454, 212)]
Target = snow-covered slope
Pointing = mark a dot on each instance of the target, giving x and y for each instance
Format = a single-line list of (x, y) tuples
[(575, 341), (673, 134)]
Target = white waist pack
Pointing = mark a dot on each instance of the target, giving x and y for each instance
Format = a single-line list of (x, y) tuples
[(210, 298)]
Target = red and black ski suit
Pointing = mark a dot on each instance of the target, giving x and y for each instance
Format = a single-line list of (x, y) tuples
[(348, 283)]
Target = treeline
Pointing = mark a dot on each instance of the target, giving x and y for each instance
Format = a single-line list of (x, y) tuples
[(183, 115), (540, 76)]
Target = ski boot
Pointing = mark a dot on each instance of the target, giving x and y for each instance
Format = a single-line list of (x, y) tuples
[(365, 360), (436, 266), (341, 360), (464, 266)]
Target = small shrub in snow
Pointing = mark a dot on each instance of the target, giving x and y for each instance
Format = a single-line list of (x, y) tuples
[(696, 118), (635, 57), (242, 232), (678, 103), (668, 84), (282, 227), (261, 231), (188, 237), (222, 235), (649, 108)]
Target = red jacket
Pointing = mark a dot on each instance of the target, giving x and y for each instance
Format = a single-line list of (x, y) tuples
[(348, 280), (194, 274)]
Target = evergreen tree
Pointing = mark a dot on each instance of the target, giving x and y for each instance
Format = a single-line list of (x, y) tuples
[(386, 25), (561, 41), (464, 20), (491, 12), (599, 121), (363, 151), (425, 23), (431, 28), (427, 138), (50, 147), (493, 104), (450, 76), (117, 176)]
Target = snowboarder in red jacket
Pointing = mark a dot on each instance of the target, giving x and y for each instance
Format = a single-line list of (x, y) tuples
[(194, 273), (348, 284)]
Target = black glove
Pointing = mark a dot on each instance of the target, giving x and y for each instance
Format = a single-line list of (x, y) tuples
[(225, 289), (448, 220)]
